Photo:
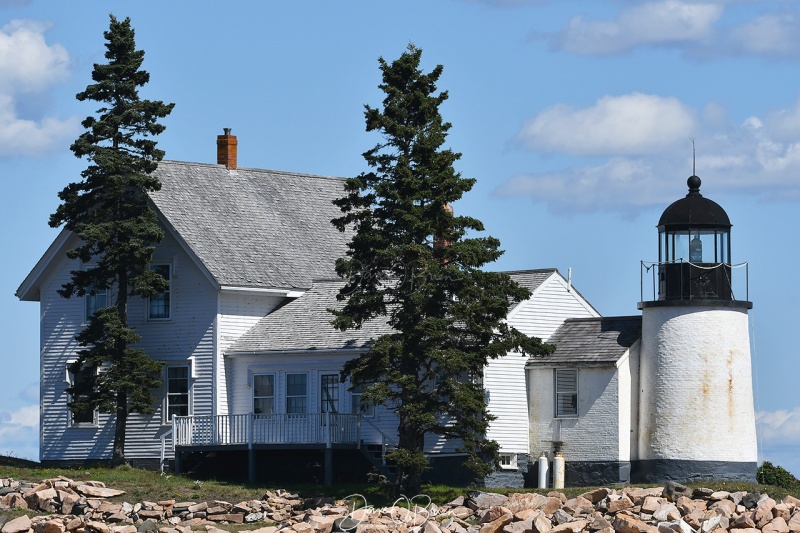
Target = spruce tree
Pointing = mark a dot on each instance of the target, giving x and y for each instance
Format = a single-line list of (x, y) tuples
[(108, 211), (412, 263)]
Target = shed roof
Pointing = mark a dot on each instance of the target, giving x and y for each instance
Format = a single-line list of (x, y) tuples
[(592, 340), (304, 324)]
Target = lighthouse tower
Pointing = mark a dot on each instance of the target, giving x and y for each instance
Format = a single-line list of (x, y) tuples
[(696, 416)]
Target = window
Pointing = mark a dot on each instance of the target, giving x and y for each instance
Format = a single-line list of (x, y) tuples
[(80, 417), (263, 394), (93, 300), (159, 304), (357, 406), (296, 393), (329, 393), (508, 461), (177, 392), (566, 393)]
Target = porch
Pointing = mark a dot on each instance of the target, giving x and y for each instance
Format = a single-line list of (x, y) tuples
[(251, 432)]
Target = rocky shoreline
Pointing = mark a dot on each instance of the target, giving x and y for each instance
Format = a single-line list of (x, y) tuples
[(69, 506)]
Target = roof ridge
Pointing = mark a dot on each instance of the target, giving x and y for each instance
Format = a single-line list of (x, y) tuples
[(528, 271), (592, 318), (253, 169)]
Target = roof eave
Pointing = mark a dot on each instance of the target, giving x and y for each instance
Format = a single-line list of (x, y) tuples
[(299, 351), (28, 291)]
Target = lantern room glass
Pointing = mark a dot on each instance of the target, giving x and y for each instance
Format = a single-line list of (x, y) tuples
[(694, 246)]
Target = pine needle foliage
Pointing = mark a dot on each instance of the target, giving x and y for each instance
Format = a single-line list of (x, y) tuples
[(108, 210), (414, 264)]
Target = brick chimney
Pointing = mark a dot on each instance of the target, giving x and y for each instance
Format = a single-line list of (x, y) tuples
[(226, 149), (439, 242)]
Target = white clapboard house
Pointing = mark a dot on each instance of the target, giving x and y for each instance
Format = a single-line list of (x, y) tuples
[(252, 362)]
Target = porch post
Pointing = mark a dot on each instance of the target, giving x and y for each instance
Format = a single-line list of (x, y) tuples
[(328, 466), (328, 451), (251, 454)]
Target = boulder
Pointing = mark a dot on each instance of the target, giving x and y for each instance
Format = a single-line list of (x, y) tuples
[(776, 525), (18, 525), (519, 501), (672, 491), (484, 500), (497, 525), (627, 524), (98, 492), (596, 495)]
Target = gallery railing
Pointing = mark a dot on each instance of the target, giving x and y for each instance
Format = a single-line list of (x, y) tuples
[(682, 280)]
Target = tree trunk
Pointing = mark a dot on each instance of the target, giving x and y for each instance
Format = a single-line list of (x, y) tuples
[(121, 421), (409, 471)]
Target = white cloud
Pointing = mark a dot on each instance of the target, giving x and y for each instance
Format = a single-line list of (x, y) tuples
[(781, 427), (29, 65), (23, 137), (631, 124), (621, 184), (19, 432), (27, 62), (770, 34), (652, 23), (639, 159), (702, 29)]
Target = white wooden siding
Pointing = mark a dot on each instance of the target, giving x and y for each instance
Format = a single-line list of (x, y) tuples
[(236, 315), (504, 378), (242, 368), (187, 337)]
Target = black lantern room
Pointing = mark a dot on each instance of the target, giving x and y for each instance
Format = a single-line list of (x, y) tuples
[(694, 249)]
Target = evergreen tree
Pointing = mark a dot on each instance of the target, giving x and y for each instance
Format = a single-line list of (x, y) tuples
[(410, 261), (109, 212)]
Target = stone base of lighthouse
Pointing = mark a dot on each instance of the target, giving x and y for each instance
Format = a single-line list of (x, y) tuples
[(696, 415)]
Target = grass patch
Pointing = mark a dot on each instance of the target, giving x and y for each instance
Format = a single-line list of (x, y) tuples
[(140, 485)]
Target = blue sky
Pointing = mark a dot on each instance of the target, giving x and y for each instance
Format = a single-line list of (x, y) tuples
[(575, 118)]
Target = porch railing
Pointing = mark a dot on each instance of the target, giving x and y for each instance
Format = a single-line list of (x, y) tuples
[(249, 429)]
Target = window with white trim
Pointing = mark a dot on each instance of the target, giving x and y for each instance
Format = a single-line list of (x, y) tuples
[(177, 397), (329, 393), (566, 385), (263, 394), (508, 461), (93, 300), (296, 393), (356, 404), (159, 304), (80, 417)]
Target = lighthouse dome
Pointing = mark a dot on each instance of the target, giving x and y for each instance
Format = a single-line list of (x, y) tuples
[(693, 212)]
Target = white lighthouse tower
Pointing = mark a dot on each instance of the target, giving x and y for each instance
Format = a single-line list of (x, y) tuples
[(696, 416)]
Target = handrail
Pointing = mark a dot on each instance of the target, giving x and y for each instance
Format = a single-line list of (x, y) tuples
[(168, 433), (386, 440)]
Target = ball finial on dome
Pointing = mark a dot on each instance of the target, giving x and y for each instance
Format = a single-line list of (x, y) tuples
[(694, 184)]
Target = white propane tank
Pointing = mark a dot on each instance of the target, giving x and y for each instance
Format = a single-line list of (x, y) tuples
[(558, 471), (544, 466)]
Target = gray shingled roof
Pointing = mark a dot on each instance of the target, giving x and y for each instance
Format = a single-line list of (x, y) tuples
[(530, 279), (254, 228), (305, 324), (593, 340)]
